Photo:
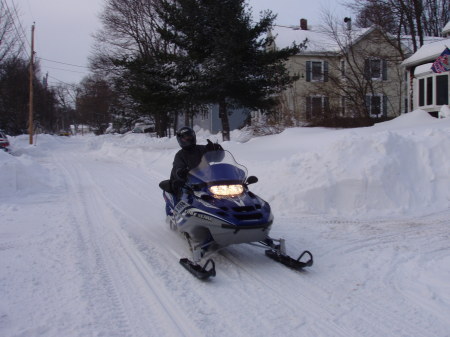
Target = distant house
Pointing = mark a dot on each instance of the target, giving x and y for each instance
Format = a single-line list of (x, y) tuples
[(211, 121), (427, 90), (349, 72), (344, 73)]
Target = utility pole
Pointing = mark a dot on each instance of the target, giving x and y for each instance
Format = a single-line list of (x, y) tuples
[(30, 116)]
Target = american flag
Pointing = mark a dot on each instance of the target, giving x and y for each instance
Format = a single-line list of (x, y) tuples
[(442, 63)]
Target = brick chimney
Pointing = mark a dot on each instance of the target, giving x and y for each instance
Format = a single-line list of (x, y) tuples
[(303, 24)]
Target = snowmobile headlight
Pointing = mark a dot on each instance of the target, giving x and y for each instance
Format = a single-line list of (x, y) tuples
[(226, 190)]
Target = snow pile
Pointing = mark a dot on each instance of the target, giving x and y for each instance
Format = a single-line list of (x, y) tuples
[(22, 175), (392, 169), (444, 112), (380, 174), (396, 168)]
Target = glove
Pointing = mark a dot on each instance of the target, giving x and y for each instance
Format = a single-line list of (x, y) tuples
[(177, 185), (213, 146), (182, 173)]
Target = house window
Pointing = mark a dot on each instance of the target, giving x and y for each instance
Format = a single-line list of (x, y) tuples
[(316, 106), (375, 69), (421, 92), (441, 89), (376, 105), (430, 91), (316, 71)]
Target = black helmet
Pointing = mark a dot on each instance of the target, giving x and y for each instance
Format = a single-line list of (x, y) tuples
[(186, 138)]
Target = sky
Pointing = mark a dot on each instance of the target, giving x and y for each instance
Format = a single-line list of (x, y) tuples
[(64, 29)]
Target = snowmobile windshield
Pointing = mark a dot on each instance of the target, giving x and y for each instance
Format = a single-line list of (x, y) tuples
[(218, 167)]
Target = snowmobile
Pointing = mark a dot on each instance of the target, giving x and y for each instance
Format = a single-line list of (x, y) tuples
[(216, 209)]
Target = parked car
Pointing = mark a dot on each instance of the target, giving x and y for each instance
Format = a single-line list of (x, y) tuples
[(64, 133), (143, 128), (4, 143)]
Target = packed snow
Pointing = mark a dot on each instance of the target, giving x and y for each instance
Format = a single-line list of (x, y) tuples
[(85, 249)]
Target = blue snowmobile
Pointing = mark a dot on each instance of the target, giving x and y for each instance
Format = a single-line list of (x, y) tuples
[(216, 209)]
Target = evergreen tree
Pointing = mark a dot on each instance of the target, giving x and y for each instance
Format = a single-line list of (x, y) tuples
[(223, 57), (14, 98)]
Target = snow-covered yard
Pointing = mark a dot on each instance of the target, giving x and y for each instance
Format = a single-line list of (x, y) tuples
[(85, 250)]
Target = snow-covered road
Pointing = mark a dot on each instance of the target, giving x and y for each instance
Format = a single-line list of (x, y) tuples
[(91, 255)]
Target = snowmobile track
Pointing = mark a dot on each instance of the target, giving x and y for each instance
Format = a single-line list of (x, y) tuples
[(121, 310)]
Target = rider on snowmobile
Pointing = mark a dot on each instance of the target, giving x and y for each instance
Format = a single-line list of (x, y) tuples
[(188, 157)]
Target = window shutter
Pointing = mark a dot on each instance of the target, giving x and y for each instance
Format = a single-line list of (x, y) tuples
[(326, 105), (384, 69), (308, 71), (342, 68), (367, 69), (384, 105), (325, 71), (367, 99), (308, 107), (342, 106)]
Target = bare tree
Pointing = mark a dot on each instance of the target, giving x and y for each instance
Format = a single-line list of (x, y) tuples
[(129, 29), (11, 37), (363, 74), (65, 94), (94, 101), (417, 18), (127, 52)]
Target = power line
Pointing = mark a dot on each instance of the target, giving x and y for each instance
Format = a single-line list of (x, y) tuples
[(60, 80), (67, 64), (72, 71), (18, 34), (20, 23)]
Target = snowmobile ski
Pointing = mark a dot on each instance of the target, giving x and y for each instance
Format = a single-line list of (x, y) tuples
[(202, 273), (289, 261)]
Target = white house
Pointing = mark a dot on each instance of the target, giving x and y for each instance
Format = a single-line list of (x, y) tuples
[(427, 90), (348, 72)]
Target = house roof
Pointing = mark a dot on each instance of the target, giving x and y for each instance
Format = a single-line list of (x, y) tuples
[(427, 53), (423, 69), (446, 29), (318, 41)]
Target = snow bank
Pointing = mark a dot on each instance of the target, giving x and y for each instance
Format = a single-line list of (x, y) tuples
[(444, 112), (21, 173), (395, 168)]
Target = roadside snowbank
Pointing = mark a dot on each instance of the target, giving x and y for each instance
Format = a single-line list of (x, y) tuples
[(396, 168), (23, 175)]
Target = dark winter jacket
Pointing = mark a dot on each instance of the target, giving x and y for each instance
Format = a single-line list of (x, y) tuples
[(185, 160)]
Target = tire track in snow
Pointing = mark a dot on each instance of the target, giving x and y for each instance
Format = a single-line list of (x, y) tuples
[(210, 315), (309, 307), (293, 306), (371, 303), (90, 217), (103, 302), (158, 256)]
